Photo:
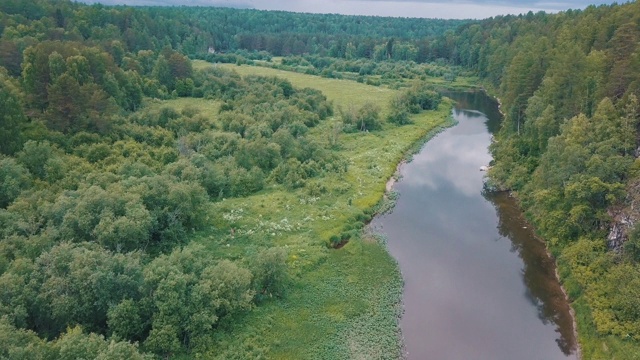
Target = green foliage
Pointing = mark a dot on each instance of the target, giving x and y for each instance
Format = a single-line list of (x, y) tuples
[(122, 350), (412, 101), (270, 274), (22, 344), (352, 315), (291, 174), (14, 178), (175, 207), (618, 289), (422, 97), (125, 321), (12, 118), (117, 220), (75, 86), (398, 114), (632, 245), (365, 118), (38, 158), (190, 295), (566, 148), (264, 122), (162, 73), (142, 185), (78, 285), (581, 174), (106, 208), (75, 344), (163, 340)]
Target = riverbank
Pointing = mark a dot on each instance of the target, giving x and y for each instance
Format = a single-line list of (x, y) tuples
[(388, 202), (493, 94), (341, 303), (450, 162), (596, 280)]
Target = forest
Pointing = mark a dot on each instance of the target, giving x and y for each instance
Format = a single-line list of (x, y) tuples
[(155, 203), (568, 149)]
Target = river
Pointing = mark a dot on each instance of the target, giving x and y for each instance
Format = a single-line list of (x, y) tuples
[(478, 284)]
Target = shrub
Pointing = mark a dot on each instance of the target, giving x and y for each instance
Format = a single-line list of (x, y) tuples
[(13, 179)]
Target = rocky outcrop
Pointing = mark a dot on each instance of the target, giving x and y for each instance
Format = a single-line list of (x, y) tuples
[(624, 217), (620, 227)]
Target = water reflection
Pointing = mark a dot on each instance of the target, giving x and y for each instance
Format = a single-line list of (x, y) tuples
[(477, 283), (480, 103), (543, 290), (454, 159)]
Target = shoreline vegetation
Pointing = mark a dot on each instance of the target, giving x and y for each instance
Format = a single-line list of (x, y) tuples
[(386, 200), (376, 156), (561, 280), (584, 327)]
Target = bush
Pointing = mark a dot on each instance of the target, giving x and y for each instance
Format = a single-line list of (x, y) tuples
[(632, 245), (412, 101), (334, 240), (366, 118), (399, 117), (13, 179), (269, 271)]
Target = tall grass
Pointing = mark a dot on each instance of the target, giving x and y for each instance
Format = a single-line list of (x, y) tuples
[(341, 304)]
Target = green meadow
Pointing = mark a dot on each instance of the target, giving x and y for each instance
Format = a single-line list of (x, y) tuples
[(340, 303), (341, 92)]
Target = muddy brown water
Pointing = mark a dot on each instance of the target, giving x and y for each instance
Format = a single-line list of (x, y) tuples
[(478, 284)]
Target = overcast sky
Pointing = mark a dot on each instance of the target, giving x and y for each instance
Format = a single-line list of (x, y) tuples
[(452, 9)]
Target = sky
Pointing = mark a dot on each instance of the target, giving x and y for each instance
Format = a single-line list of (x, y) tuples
[(452, 9)]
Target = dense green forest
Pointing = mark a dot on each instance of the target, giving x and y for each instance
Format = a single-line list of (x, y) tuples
[(193, 30), (569, 85), (115, 223), (97, 209)]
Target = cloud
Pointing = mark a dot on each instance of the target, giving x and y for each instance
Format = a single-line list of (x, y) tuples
[(222, 3), (452, 9), (452, 159), (562, 4)]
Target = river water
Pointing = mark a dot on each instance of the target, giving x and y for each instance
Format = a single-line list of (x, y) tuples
[(478, 284)]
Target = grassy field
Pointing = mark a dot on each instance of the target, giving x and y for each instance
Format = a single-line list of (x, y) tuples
[(461, 82), (341, 92), (341, 304), (210, 107)]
